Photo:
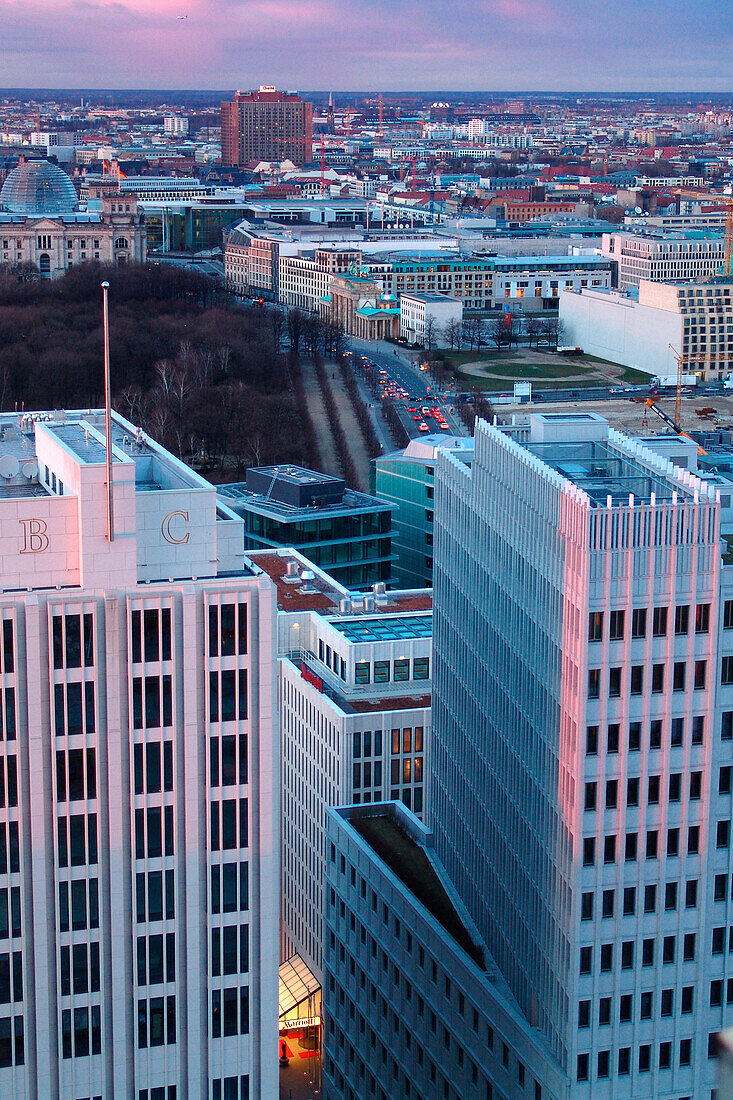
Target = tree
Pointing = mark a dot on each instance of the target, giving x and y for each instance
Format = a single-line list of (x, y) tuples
[(430, 335), (553, 330), (532, 328), (452, 334), (500, 332), (295, 331)]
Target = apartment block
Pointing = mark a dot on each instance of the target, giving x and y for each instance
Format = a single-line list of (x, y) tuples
[(664, 257), (139, 852), (266, 125)]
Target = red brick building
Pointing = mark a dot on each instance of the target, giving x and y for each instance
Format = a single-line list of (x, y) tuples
[(266, 125)]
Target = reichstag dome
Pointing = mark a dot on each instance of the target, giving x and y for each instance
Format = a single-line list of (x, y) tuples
[(38, 188)]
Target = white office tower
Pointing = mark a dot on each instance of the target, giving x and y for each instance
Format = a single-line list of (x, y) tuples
[(583, 715), (354, 677), (138, 819)]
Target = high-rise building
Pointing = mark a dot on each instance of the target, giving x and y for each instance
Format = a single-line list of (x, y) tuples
[(581, 752), (138, 829), (266, 125)]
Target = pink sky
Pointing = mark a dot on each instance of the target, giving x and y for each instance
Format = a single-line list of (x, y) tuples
[(472, 44)]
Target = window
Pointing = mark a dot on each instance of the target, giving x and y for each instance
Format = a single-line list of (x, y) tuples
[(655, 734), (624, 1061), (627, 954), (670, 896), (590, 796), (688, 947), (668, 949), (603, 1062), (691, 894), (647, 952), (229, 1012), (594, 680), (688, 1000), (611, 794), (700, 674), (612, 737), (675, 786), (582, 1067), (728, 615), (606, 957), (631, 846), (647, 1004), (682, 619), (420, 668), (632, 791), (665, 1055), (673, 842), (81, 1032), (226, 832), (629, 901), (634, 736), (722, 839), (589, 851), (638, 622), (229, 888), (586, 958), (645, 1058), (637, 679), (657, 678), (685, 1052), (608, 903), (584, 1014), (702, 618), (650, 899), (595, 626), (724, 786), (591, 740), (609, 849), (679, 672), (586, 906), (362, 672), (381, 672), (698, 729), (653, 786), (695, 786), (677, 732), (156, 1022), (726, 725)]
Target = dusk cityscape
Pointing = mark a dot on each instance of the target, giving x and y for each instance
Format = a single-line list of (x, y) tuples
[(366, 550)]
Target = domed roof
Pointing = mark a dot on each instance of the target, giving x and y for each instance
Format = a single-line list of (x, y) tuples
[(38, 187)]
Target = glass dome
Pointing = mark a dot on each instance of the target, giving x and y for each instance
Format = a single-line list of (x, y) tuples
[(38, 187)]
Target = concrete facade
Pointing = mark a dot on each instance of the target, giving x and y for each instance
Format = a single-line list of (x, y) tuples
[(140, 843), (423, 313)]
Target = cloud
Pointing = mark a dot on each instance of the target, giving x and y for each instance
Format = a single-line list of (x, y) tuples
[(430, 44)]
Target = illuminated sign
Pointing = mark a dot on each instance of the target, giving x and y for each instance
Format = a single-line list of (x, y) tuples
[(307, 1021)]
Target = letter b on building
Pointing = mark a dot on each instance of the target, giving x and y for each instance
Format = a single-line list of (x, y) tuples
[(35, 539)]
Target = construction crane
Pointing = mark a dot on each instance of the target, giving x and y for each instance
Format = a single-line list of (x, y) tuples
[(673, 424), (727, 268), (681, 360), (323, 167)]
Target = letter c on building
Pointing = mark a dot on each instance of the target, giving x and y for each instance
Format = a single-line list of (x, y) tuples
[(166, 528)]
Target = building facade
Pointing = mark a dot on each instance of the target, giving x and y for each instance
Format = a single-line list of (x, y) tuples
[(581, 755), (664, 257), (429, 315), (354, 682), (266, 125), (139, 854), (41, 223)]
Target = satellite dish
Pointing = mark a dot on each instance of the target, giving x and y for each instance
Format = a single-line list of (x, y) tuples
[(9, 466), (29, 469), (637, 210)]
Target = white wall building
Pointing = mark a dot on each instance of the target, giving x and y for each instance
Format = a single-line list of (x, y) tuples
[(176, 124), (664, 257), (355, 721), (139, 822), (420, 313), (696, 319), (581, 753)]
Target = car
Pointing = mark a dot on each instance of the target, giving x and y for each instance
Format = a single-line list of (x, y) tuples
[(423, 428), (417, 418), (444, 427)]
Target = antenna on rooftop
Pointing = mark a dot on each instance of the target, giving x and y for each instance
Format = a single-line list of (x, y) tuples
[(107, 409)]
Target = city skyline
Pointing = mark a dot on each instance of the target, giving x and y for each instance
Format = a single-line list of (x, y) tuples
[(510, 45)]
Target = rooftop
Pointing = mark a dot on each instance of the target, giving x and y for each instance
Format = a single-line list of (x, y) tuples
[(410, 862), (384, 629), (602, 472)]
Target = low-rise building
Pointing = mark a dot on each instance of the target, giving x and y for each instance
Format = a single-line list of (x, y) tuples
[(646, 330), (661, 256), (344, 531), (429, 315)]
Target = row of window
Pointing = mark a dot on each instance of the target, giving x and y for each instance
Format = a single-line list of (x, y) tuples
[(400, 670), (70, 715), (81, 1032), (7, 656), (629, 895), (72, 641), (603, 1065), (150, 634), (636, 678), (77, 840), (9, 848), (227, 629), (229, 1012), (228, 765), (12, 1042), (226, 831), (78, 905), (76, 774), (228, 695), (634, 734), (628, 954), (331, 659), (152, 702), (10, 912), (156, 958), (654, 789), (155, 896), (652, 846), (153, 767), (618, 621), (626, 1006), (230, 1088), (154, 832), (7, 713)]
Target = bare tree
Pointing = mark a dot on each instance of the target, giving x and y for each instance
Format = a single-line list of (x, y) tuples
[(500, 333), (430, 335), (453, 333), (532, 328)]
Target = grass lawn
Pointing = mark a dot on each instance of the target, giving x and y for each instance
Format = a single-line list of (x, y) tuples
[(470, 382)]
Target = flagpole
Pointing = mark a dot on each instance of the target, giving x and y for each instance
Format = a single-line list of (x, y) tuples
[(107, 409)]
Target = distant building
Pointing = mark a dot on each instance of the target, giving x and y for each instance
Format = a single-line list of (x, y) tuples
[(407, 479), (266, 125), (175, 124), (41, 223), (664, 257), (428, 315), (361, 307), (347, 533), (695, 319)]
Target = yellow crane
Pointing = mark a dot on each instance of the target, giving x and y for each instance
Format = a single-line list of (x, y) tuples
[(682, 362)]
